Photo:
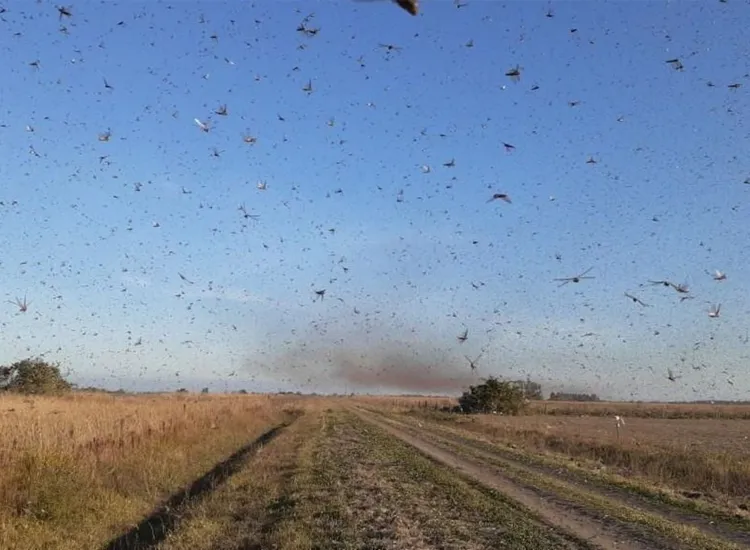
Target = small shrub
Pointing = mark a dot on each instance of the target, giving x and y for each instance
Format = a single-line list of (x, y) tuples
[(493, 396)]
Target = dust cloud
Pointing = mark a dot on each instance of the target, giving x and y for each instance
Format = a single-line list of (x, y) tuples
[(369, 362), (402, 370)]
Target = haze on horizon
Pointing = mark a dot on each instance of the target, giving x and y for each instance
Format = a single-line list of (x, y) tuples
[(354, 149)]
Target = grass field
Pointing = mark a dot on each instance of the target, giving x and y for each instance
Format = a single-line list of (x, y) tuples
[(186, 471), (577, 408)]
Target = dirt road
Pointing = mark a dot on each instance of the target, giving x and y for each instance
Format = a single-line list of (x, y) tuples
[(592, 516), (334, 481), (343, 477)]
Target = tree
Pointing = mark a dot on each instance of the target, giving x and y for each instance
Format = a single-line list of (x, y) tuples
[(33, 376), (531, 390), (493, 396)]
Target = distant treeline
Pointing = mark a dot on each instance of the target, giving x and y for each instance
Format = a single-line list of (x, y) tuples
[(531, 390), (711, 402), (92, 389), (564, 396)]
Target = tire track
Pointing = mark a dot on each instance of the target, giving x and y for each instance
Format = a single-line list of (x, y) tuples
[(605, 533), (153, 529), (732, 533)]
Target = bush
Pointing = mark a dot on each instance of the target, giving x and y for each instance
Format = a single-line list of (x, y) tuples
[(33, 376), (493, 396)]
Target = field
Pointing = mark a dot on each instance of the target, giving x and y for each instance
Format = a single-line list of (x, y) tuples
[(186, 471)]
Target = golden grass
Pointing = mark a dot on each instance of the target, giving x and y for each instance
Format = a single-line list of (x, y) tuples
[(77, 470), (641, 410), (404, 403), (574, 408), (705, 456)]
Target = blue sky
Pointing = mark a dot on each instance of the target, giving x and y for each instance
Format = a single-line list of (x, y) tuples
[(101, 230)]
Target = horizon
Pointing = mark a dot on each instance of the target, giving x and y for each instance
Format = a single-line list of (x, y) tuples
[(244, 391)]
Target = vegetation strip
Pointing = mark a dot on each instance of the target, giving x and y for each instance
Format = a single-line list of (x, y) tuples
[(313, 513), (588, 501), (154, 528)]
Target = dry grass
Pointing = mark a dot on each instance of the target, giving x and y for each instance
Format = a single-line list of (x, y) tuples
[(705, 456), (516, 471), (77, 470), (641, 410), (249, 511), (695, 436), (404, 403), (391, 403), (694, 448)]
